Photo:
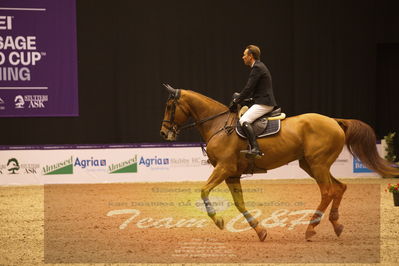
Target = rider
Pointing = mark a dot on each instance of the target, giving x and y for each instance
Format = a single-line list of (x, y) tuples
[(259, 87)]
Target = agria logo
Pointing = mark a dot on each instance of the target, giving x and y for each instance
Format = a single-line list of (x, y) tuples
[(60, 168), (128, 166), (84, 163), (155, 162)]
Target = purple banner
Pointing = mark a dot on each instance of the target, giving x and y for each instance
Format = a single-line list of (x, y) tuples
[(105, 146), (38, 58)]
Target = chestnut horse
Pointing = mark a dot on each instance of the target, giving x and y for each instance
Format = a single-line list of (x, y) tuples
[(315, 140)]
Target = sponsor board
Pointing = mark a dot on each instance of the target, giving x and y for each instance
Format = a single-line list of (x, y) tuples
[(38, 54), (158, 162), (30, 101), (127, 166), (15, 167), (91, 163), (358, 166), (60, 168), (155, 164)]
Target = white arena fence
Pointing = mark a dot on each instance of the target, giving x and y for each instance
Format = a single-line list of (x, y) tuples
[(129, 163)]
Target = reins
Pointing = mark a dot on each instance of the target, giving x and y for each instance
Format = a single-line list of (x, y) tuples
[(226, 128), (196, 123)]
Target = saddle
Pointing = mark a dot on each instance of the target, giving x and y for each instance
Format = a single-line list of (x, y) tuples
[(265, 125)]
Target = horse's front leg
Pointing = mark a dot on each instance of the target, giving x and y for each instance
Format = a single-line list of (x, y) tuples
[(219, 174), (234, 185)]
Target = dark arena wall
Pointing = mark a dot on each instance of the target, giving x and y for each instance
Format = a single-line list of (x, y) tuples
[(336, 58), (103, 187)]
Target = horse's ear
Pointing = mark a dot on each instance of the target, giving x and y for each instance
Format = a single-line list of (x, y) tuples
[(169, 89), (173, 92)]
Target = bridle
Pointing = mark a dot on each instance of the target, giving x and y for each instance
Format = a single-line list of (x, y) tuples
[(176, 128)]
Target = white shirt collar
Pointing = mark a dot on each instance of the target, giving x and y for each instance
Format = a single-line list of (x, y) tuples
[(253, 64)]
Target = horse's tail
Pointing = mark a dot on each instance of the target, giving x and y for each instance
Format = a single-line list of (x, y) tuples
[(361, 142)]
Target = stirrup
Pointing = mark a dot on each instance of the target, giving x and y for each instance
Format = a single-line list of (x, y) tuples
[(252, 154)]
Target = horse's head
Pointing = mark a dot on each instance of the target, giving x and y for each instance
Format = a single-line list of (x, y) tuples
[(175, 115)]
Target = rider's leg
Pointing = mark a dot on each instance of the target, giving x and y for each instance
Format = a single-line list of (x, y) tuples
[(254, 147), (256, 111)]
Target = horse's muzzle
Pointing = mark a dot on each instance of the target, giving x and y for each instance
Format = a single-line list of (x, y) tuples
[(168, 135), (163, 135)]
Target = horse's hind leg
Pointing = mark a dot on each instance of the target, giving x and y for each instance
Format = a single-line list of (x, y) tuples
[(322, 175), (234, 185), (339, 190)]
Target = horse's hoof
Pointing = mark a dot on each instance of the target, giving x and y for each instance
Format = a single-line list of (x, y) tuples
[(262, 235), (219, 222), (338, 229), (309, 234)]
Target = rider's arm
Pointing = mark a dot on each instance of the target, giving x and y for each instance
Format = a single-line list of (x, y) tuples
[(254, 76)]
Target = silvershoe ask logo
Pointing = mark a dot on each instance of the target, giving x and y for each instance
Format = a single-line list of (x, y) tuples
[(2, 103), (13, 166)]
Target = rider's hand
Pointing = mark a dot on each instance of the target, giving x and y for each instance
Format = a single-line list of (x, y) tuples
[(233, 106)]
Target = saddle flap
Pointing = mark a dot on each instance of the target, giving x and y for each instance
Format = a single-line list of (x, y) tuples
[(260, 125), (262, 128)]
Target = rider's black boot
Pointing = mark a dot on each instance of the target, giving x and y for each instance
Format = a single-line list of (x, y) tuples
[(254, 147)]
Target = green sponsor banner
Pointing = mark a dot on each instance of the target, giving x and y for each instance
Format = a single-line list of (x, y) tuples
[(128, 169), (62, 168), (129, 166), (67, 170)]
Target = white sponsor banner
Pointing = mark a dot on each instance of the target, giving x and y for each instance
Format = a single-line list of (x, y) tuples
[(150, 164), (20, 168)]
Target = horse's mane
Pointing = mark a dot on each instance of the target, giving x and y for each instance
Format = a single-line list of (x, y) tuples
[(206, 98)]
